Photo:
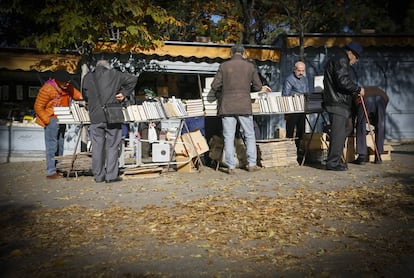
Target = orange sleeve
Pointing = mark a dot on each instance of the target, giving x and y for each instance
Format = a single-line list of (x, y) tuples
[(75, 93), (43, 106)]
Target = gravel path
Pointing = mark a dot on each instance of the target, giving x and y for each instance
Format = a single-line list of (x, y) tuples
[(278, 222)]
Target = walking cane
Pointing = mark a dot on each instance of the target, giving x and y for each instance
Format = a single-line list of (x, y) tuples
[(370, 129)]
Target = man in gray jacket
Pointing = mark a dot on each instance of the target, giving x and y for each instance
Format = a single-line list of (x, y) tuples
[(232, 84), (102, 86)]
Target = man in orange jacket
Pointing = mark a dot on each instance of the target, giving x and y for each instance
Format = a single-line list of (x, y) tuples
[(54, 93)]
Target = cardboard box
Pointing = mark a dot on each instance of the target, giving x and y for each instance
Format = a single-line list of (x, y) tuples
[(384, 156), (349, 150), (280, 133), (191, 144), (319, 141), (184, 164), (371, 150)]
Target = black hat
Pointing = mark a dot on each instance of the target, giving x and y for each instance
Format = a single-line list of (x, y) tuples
[(62, 76), (356, 48)]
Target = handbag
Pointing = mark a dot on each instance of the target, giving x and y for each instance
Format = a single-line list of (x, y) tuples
[(113, 111)]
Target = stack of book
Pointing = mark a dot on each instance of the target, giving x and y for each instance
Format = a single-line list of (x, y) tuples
[(79, 111), (174, 108), (194, 107), (132, 113), (280, 104), (153, 110), (209, 99), (209, 102), (75, 113), (64, 115), (277, 152)]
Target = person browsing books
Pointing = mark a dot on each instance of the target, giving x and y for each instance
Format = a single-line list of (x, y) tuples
[(232, 85), (55, 92)]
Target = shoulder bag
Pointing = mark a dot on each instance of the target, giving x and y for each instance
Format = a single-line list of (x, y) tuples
[(113, 111)]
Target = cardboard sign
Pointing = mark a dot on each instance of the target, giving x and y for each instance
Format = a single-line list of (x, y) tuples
[(191, 144)]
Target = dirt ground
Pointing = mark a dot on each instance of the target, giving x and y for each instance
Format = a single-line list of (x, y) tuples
[(300, 221)]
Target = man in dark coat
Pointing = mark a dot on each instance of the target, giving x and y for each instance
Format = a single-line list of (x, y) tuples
[(102, 86), (376, 101), (339, 91), (232, 84)]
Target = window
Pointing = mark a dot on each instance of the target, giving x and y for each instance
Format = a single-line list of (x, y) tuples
[(33, 91)]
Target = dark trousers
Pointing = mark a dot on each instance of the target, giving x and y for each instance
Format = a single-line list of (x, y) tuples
[(340, 128), (105, 139), (295, 121), (375, 106)]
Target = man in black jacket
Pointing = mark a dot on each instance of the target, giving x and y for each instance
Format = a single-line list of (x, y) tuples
[(339, 90)]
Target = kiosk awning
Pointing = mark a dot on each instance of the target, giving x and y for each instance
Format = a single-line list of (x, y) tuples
[(38, 62), (367, 40), (191, 51)]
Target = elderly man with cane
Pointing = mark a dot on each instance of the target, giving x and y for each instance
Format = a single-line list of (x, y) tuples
[(337, 101), (370, 110)]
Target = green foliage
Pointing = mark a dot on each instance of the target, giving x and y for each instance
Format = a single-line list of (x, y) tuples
[(75, 24), (51, 25)]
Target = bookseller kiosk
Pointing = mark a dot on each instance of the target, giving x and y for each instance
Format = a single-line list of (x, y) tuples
[(154, 111)]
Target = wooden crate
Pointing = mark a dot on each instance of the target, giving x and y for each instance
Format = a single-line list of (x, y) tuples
[(185, 164), (318, 142), (385, 156)]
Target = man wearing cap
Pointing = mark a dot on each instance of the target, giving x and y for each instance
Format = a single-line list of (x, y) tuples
[(232, 84), (55, 92), (339, 91)]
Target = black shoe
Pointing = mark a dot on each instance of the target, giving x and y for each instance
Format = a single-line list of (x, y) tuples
[(114, 180), (345, 165), (98, 181), (359, 161), (378, 161), (339, 167)]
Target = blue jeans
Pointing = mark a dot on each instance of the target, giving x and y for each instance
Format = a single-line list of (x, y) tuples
[(54, 141), (229, 131)]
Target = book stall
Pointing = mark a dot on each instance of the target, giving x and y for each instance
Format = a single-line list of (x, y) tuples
[(275, 152), (164, 151), (182, 151)]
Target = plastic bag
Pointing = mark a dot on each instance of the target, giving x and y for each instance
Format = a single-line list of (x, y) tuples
[(152, 133)]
